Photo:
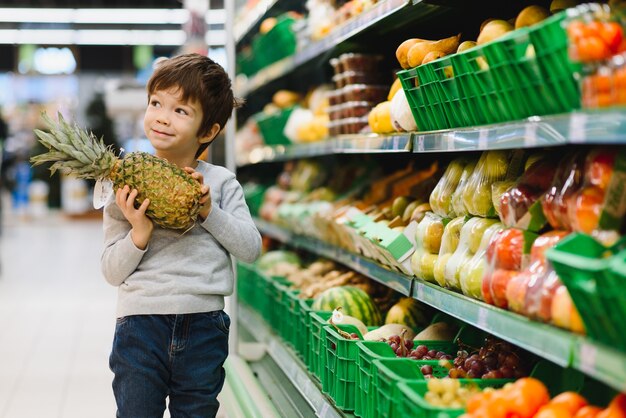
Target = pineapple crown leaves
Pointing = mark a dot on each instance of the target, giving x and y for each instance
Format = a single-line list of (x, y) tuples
[(73, 148)]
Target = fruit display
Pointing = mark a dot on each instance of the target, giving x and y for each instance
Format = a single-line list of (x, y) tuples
[(449, 393), (506, 255), (567, 180), (409, 312), (495, 359), (492, 167), (471, 276), (354, 302), (469, 243), (458, 205), (174, 195), (519, 204), (449, 243), (427, 244), (441, 197), (529, 398)]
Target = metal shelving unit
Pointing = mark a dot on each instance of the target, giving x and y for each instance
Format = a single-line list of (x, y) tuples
[(289, 363), (559, 346), (576, 128)]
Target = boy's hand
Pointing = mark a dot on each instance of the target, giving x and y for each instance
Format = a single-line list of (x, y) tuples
[(142, 226), (205, 200)]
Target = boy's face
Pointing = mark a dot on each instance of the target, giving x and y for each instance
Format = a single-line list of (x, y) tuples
[(172, 125)]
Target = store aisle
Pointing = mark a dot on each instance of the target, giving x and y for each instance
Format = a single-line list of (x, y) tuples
[(56, 320)]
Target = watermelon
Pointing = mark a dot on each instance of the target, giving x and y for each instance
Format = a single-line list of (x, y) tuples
[(409, 312), (354, 302), (271, 258)]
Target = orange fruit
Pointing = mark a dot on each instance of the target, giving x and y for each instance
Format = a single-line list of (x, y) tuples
[(588, 411), (571, 401), (531, 394), (553, 411), (591, 48)]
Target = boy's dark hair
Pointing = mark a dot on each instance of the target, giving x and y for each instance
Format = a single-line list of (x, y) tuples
[(199, 79)]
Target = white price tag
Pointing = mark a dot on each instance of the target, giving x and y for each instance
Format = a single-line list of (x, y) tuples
[(102, 191), (588, 355), (482, 318), (450, 142), (420, 143), (530, 134), (483, 135), (420, 292), (577, 124)]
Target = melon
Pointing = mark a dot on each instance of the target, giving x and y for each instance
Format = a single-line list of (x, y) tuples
[(353, 301), (410, 312)]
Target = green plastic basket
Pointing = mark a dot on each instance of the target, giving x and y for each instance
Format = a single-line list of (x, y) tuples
[(272, 126), (392, 372), (302, 339), (550, 42), (594, 276), (291, 308), (278, 43), (317, 342), (246, 282), (273, 307), (411, 400), (340, 368), (422, 113), (477, 86)]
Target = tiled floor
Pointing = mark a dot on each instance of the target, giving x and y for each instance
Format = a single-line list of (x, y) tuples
[(56, 321)]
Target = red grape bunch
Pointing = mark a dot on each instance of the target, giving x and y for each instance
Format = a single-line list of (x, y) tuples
[(497, 359)]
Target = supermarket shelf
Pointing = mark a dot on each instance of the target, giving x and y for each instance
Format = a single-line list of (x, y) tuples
[(583, 127), (287, 361), (347, 144), (559, 346), (342, 33), (398, 282), (248, 25)]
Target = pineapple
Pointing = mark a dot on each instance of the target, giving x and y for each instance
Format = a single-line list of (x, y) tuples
[(174, 195)]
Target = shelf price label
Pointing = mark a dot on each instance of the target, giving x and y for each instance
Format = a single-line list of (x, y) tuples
[(577, 125), (420, 143), (588, 354), (481, 320), (483, 136)]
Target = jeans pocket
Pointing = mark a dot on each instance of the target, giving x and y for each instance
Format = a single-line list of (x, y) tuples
[(121, 320), (223, 322)]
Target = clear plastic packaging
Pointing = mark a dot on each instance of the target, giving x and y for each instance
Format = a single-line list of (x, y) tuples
[(427, 244), (365, 93), (469, 242), (364, 63), (449, 243), (471, 276), (507, 254), (566, 182), (458, 206), (518, 204), (441, 196), (492, 167)]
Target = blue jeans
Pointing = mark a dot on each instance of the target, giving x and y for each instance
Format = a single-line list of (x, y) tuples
[(180, 356)]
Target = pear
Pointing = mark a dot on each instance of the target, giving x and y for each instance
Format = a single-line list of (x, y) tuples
[(493, 30), (403, 50), (418, 52), (406, 216), (465, 45), (558, 5), (432, 56), (531, 15), (399, 205)]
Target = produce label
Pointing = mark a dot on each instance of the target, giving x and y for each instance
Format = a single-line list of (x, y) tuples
[(102, 191)]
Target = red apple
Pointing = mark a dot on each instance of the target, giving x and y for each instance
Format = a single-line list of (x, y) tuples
[(516, 292), (499, 281), (509, 249), (540, 174), (599, 168)]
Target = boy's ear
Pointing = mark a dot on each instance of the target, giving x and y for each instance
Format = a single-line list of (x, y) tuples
[(215, 129)]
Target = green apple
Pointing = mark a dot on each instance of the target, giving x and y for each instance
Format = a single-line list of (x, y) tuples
[(427, 266), (471, 279), (476, 231), (440, 267)]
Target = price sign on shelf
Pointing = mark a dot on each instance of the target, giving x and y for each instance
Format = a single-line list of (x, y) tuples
[(588, 355), (420, 143), (483, 315)]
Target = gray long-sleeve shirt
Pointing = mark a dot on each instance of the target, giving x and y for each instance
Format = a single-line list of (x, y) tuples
[(181, 273)]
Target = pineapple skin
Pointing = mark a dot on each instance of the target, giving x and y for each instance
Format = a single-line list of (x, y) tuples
[(174, 195)]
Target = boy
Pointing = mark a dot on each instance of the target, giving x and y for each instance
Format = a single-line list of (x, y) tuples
[(171, 334)]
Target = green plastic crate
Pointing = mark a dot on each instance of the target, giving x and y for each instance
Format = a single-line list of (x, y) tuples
[(422, 114), (291, 308), (303, 330), (273, 307), (340, 368), (317, 343), (411, 400), (375, 350), (594, 276), (550, 42), (477, 86), (278, 43), (272, 126), (246, 282), (391, 372)]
